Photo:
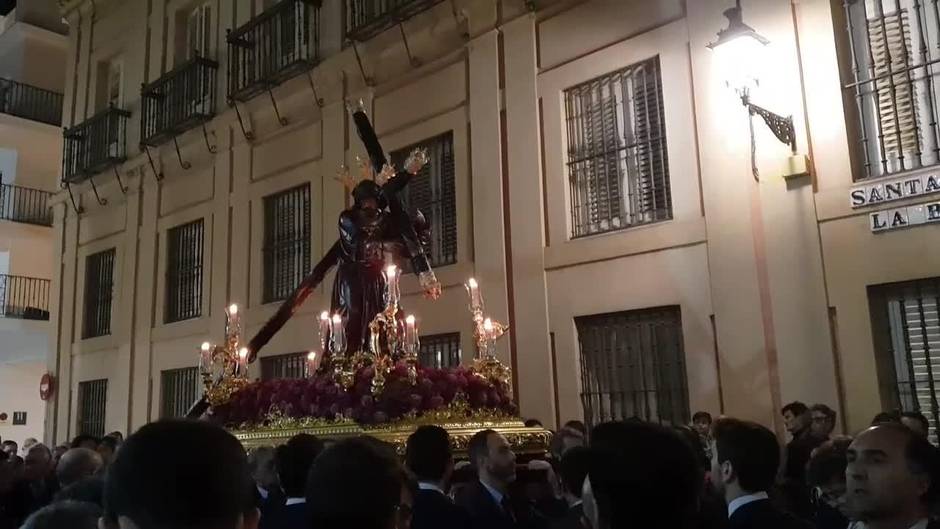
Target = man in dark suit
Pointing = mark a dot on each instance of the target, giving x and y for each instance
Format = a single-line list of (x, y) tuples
[(744, 467), (891, 478), (573, 468), (487, 500), (428, 456), (293, 461)]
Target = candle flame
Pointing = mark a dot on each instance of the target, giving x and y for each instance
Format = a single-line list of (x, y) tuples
[(243, 352), (312, 355), (487, 324), (410, 319), (391, 270), (472, 283), (325, 315), (233, 309), (337, 318), (206, 346)]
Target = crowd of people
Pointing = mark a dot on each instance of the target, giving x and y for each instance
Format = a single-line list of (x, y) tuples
[(726, 473)]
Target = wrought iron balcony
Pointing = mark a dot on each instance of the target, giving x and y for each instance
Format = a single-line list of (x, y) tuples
[(276, 45), (367, 18), (30, 102), (25, 204), (95, 145), (178, 101), (24, 297)]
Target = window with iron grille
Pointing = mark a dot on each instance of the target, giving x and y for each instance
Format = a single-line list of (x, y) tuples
[(184, 272), (440, 350), (618, 168), (179, 389), (99, 288), (286, 241), (906, 324), (894, 45), (633, 365), (92, 406), (293, 365), (432, 191)]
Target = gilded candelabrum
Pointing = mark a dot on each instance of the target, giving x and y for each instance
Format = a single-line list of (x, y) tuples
[(486, 332), (224, 368), (396, 339)]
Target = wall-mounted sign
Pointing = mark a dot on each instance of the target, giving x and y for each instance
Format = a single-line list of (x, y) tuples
[(897, 189), (893, 219), (19, 418)]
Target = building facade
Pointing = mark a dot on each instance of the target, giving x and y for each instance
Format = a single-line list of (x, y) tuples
[(590, 166), (32, 80)]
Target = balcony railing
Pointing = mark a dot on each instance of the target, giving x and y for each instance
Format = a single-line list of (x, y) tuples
[(94, 145), (25, 204), (367, 18), (24, 297), (273, 47), (178, 101), (30, 102)]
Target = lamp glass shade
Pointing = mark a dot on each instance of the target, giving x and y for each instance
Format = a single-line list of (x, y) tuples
[(738, 60)]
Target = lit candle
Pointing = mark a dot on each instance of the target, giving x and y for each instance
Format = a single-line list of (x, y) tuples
[(324, 329), (231, 321), (488, 329), (311, 363), (476, 298), (338, 335), (243, 361), (440, 362), (391, 281), (411, 333), (233, 310), (205, 356)]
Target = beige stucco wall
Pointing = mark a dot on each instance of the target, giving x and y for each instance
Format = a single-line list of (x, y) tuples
[(19, 391), (756, 268)]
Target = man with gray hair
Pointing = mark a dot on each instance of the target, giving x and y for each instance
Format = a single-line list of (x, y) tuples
[(76, 465)]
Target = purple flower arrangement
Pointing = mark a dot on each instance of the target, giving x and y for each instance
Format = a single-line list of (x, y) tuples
[(321, 397)]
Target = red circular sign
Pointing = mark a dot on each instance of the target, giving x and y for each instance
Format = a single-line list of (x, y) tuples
[(3, 416), (46, 386)]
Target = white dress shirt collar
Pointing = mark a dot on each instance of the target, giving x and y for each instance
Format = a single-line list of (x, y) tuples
[(739, 502), (922, 524), (427, 485), (263, 492), (294, 501), (497, 495)]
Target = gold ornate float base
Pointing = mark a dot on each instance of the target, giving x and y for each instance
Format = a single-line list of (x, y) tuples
[(524, 441)]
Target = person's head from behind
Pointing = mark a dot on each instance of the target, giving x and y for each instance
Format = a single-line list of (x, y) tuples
[(564, 440), (65, 514), (428, 454), (28, 442), (263, 468), (204, 485), (293, 461), (533, 423), (694, 440), (574, 469), (578, 426), (107, 447), (702, 422), (886, 417), (355, 484), (746, 458), (891, 474), (10, 447), (38, 462), (84, 441), (78, 464), (825, 473), (493, 458), (822, 420), (796, 417), (58, 452), (917, 422), (640, 475), (116, 435)]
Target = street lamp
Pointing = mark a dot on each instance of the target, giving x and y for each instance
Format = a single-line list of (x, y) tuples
[(738, 54)]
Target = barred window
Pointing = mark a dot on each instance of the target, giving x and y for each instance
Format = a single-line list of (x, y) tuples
[(293, 365), (184, 272), (99, 287), (286, 242), (433, 192), (633, 365), (618, 169), (92, 406), (894, 45), (905, 319), (179, 389), (440, 350)]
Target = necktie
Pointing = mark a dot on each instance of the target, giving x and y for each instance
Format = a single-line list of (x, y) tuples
[(507, 508)]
